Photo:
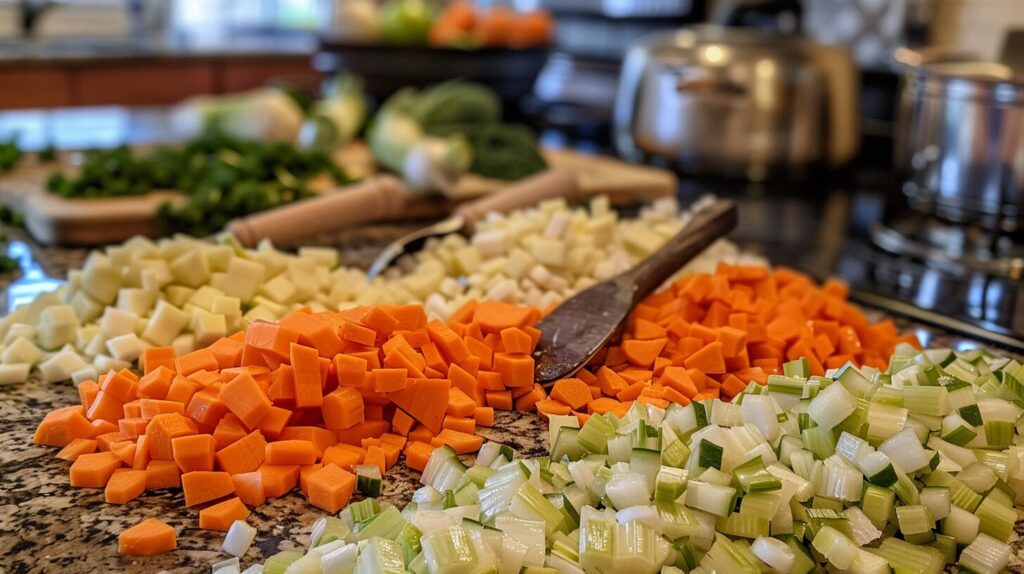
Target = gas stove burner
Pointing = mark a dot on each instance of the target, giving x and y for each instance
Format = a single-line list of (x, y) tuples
[(951, 246)]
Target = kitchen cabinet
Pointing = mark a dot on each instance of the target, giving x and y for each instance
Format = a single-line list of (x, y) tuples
[(143, 81)]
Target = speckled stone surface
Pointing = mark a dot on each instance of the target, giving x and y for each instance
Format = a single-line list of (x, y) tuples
[(47, 526)]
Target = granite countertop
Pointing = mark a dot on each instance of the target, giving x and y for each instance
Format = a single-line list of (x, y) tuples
[(47, 526)]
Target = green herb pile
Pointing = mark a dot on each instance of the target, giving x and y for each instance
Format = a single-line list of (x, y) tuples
[(10, 155), (223, 178)]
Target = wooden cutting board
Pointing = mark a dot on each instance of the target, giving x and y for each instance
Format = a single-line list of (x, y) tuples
[(55, 220)]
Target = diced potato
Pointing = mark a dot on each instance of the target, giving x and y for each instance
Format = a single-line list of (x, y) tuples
[(165, 324), (125, 347), (208, 327), (191, 269), (117, 322), (14, 373), (138, 301), (21, 350), (60, 366)]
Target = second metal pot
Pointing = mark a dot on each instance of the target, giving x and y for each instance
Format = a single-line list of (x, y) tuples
[(737, 102)]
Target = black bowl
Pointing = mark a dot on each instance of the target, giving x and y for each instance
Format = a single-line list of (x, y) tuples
[(385, 69)]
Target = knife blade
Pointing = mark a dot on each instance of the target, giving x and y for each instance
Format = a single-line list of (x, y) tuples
[(548, 184), (575, 331)]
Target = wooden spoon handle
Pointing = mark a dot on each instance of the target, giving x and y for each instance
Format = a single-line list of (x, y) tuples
[(375, 199), (707, 226)]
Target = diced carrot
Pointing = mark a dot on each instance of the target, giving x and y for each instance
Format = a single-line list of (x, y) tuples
[(501, 400), (330, 488), (402, 423), (516, 370), (77, 447), (417, 454), (484, 416), (528, 400), (572, 392), (375, 455), (201, 360), (290, 452), (249, 487), (156, 382), (421, 434), (124, 486), (220, 516), (344, 455), (494, 316), (162, 474), (466, 425), (552, 407), (275, 421), (389, 380), (516, 340), (63, 425), (206, 408), (343, 409), (459, 404), (358, 334), (602, 405), (87, 391), (163, 429), (245, 399), (156, 357), (181, 390), (227, 351), (632, 391), (320, 437), (709, 359), (463, 443), (243, 455), (678, 379), (305, 363), (313, 332), (426, 400), (193, 452), (228, 430), (150, 408), (643, 353), (125, 450), (94, 470), (204, 486), (147, 538)]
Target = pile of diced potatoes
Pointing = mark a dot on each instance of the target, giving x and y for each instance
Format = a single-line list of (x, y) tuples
[(188, 293)]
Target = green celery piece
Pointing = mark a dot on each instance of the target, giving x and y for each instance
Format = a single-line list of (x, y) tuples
[(710, 454), (447, 549), (752, 476), (743, 525), (797, 368), (387, 524), (597, 544), (997, 520), (409, 541)]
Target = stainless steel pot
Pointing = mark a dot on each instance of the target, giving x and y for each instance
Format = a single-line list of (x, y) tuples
[(960, 143), (737, 102)]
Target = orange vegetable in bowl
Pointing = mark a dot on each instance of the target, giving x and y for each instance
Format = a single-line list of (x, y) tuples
[(495, 27), (534, 28)]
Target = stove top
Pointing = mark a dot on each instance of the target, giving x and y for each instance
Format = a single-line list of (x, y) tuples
[(833, 229)]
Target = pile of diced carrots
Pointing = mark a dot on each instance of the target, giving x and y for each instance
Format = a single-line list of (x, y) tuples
[(710, 335), (297, 403), (301, 402)]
